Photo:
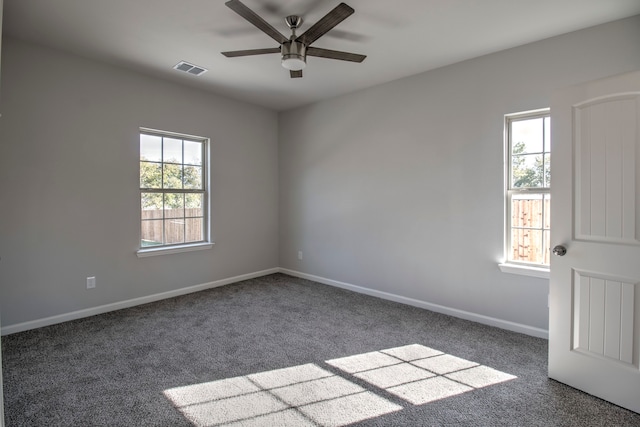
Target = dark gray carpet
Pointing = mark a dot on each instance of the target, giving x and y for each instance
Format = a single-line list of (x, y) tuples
[(113, 369)]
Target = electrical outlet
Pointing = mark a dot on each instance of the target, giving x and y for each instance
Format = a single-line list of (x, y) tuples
[(300, 255), (91, 282)]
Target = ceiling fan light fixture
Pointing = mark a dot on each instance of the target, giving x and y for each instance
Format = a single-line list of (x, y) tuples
[(293, 63), (294, 55)]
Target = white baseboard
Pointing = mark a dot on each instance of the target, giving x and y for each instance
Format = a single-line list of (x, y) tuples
[(491, 321), (47, 321), (479, 318)]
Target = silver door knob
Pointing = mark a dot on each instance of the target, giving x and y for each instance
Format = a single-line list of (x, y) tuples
[(559, 250)]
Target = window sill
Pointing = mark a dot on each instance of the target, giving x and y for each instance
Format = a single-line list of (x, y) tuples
[(525, 270), (144, 253)]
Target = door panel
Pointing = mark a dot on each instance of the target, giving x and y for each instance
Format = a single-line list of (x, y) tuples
[(606, 157), (594, 305), (603, 317)]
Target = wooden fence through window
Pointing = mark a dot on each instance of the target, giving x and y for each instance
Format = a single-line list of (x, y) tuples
[(528, 233), (179, 226)]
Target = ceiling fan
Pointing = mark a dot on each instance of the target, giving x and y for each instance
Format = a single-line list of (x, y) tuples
[(295, 49)]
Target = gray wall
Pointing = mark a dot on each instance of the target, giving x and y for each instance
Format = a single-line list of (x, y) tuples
[(399, 188), (69, 176)]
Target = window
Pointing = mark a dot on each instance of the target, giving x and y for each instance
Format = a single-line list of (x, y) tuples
[(528, 198), (173, 192)]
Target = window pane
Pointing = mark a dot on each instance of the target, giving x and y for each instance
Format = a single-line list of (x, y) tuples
[(526, 211), (547, 170), (194, 229), (151, 233), (172, 176), (174, 231), (169, 165), (150, 148), (193, 177), (150, 175), (172, 150), (528, 223), (192, 153), (547, 134), (193, 205), (527, 171), (174, 205), (526, 245), (151, 204), (526, 136), (547, 247), (547, 211)]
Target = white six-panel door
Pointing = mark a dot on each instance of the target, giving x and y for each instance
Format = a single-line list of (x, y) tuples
[(594, 317)]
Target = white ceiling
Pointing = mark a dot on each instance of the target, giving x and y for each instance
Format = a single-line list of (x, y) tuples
[(400, 38)]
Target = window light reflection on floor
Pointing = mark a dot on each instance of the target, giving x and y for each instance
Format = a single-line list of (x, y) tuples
[(419, 374), (308, 395)]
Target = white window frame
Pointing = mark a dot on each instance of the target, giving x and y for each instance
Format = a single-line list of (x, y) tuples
[(508, 265), (204, 244)]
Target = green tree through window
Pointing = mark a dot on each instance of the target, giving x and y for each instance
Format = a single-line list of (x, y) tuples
[(529, 177)]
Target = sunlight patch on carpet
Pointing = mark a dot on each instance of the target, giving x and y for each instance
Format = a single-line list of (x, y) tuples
[(429, 390), (444, 364), (395, 375), (419, 374), (297, 396), (308, 395)]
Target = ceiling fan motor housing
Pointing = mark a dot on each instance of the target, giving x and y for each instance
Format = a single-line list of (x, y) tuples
[(294, 55)]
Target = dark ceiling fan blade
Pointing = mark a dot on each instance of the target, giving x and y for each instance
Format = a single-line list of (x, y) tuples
[(330, 20), (295, 74), (335, 54), (248, 14), (250, 52)]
